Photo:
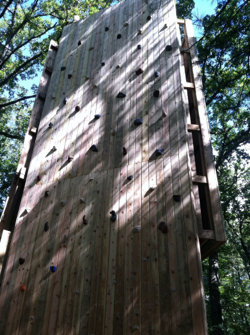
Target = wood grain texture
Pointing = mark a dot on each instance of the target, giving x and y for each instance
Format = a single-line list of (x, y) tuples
[(127, 276)]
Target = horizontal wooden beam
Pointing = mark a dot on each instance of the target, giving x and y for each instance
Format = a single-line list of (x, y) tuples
[(184, 50), (179, 21), (193, 127), (207, 234), (33, 130), (199, 179), (22, 173), (188, 85)]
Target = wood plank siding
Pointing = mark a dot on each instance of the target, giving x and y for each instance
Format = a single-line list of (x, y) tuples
[(122, 138)]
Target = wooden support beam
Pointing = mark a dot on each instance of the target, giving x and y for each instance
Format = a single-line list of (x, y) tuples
[(3, 246), (193, 127), (199, 179), (188, 85), (179, 21), (22, 173), (33, 130), (207, 234)]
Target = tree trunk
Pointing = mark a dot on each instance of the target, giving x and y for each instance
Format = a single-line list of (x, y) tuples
[(216, 314)]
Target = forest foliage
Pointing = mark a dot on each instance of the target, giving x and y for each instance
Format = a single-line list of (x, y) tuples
[(224, 51)]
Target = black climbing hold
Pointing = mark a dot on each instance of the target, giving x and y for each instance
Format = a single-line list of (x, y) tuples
[(139, 71), (77, 108), (119, 36), (177, 197), (53, 268), (84, 220), (163, 227), (113, 216), (46, 194), (94, 148), (156, 93), (106, 28), (124, 151), (168, 47), (65, 101), (149, 17), (69, 75), (21, 260), (139, 46), (157, 74), (103, 63), (138, 122), (79, 42), (63, 68), (50, 125), (130, 178), (97, 116), (39, 177), (121, 95), (70, 158), (46, 226), (159, 152)]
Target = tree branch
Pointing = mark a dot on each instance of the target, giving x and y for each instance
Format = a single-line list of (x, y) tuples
[(18, 100), (5, 8), (16, 137)]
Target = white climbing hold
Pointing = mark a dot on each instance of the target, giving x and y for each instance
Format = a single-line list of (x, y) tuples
[(91, 177), (139, 31), (136, 229), (82, 201), (153, 187), (95, 85)]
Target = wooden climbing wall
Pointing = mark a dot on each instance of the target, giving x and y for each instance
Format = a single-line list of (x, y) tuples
[(128, 276)]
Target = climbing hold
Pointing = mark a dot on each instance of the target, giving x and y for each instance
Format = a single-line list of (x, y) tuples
[(106, 28), (168, 48), (159, 152), (157, 74), (23, 288), (64, 239), (63, 68), (113, 216), (124, 151), (125, 24), (140, 32), (26, 211), (177, 197), (46, 194), (63, 203), (95, 86), (136, 229), (153, 187), (156, 93), (54, 148), (46, 226), (70, 158), (112, 132), (91, 178), (149, 17), (21, 260), (165, 26), (82, 201), (77, 108), (164, 114), (53, 268), (84, 220), (77, 292), (121, 95), (39, 177), (138, 46), (69, 75), (139, 71), (79, 43), (32, 317), (103, 63), (130, 178), (138, 122), (94, 148), (163, 227), (65, 101), (118, 66), (50, 125), (119, 36), (87, 77), (97, 116)]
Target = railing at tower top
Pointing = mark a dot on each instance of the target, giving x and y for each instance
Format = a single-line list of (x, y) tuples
[(205, 185)]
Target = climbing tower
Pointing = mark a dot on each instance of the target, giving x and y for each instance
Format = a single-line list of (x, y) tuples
[(115, 201)]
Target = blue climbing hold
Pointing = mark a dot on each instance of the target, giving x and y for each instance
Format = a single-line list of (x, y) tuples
[(46, 226), (130, 178), (113, 216), (53, 268), (94, 148), (121, 95), (97, 116), (138, 122), (159, 152)]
